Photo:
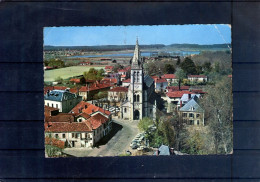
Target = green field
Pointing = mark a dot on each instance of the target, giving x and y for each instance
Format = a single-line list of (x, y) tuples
[(50, 75)]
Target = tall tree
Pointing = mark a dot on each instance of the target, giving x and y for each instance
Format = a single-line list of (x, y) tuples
[(188, 66), (180, 75), (218, 115), (169, 69)]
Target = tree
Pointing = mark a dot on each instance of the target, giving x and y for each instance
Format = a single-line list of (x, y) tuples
[(169, 69), (180, 75), (59, 79), (218, 115), (144, 123), (117, 67), (93, 74), (188, 66), (207, 67), (178, 61)]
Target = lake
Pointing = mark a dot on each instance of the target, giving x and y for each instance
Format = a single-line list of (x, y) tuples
[(145, 54)]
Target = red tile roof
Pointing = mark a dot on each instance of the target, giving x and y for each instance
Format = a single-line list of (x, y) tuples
[(109, 67), (67, 127), (154, 77), (119, 89), (108, 80), (75, 80), (169, 76), (61, 117), (88, 109), (55, 142), (48, 110), (125, 69), (84, 115), (160, 80), (92, 109), (127, 80), (178, 94), (176, 88), (97, 120), (197, 76)]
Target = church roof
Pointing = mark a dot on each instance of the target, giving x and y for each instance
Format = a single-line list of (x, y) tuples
[(148, 80)]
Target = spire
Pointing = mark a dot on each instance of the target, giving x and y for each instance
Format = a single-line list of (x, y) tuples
[(136, 57)]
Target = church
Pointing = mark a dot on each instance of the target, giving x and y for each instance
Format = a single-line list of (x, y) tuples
[(141, 98)]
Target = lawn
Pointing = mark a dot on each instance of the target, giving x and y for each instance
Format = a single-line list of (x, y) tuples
[(50, 75)]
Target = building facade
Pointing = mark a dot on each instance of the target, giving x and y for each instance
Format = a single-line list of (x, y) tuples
[(141, 100)]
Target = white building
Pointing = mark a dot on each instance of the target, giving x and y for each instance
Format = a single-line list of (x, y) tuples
[(61, 99)]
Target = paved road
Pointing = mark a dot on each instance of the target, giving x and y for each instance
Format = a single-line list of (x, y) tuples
[(117, 143)]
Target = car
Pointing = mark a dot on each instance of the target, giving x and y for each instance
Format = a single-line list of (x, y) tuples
[(134, 146)]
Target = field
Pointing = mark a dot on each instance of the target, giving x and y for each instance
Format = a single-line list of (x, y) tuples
[(50, 75)]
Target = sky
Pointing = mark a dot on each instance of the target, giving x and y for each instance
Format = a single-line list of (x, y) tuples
[(126, 35)]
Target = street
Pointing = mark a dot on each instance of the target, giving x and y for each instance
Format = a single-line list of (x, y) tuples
[(114, 144)]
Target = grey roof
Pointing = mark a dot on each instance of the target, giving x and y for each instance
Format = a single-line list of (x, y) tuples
[(148, 80), (163, 150), (192, 105), (185, 97), (59, 95)]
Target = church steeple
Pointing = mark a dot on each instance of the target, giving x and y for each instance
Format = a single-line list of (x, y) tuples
[(136, 61)]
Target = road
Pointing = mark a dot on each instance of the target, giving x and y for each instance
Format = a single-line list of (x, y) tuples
[(114, 144)]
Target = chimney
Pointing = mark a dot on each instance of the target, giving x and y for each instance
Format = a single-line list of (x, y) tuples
[(48, 92), (189, 96), (180, 103), (157, 152), (86, 106)]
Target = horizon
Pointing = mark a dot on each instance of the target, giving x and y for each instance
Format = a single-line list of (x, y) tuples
[(147, 35)]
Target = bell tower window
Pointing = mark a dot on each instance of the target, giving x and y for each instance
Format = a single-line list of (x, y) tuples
[(138, 98)]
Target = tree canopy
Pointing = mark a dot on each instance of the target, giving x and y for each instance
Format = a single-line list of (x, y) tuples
[(93, 74), (188, 66)]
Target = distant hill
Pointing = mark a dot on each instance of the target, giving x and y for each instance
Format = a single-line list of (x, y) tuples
[(130, 47)]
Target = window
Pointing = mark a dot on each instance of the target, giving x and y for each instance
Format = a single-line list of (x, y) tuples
[(56, 105), (72, 135), (151, 110), (191, 122), (47, 104), (198, 122), (51, 105), (77, 135), (125, 110), (198, 115), (137, 77), (134, 98), (63, 135), (184, 114), (191, 115), (70, 103), (56, 136), (138, 98), (80, 120), (134, 76)]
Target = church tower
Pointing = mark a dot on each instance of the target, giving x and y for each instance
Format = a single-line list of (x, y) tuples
[(135, 94)]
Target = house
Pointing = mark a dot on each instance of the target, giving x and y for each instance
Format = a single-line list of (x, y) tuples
[(61, 99), (109, 69), (171, 78), (85, 63), (173, 98), (88, 92), (84, 126), (112, 81), (75, 80), (192, 113), (197, 78), (50, 111), (124, 71), (177, 88), (160, 84), (117, 94), (185, 98), (126, 82)]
